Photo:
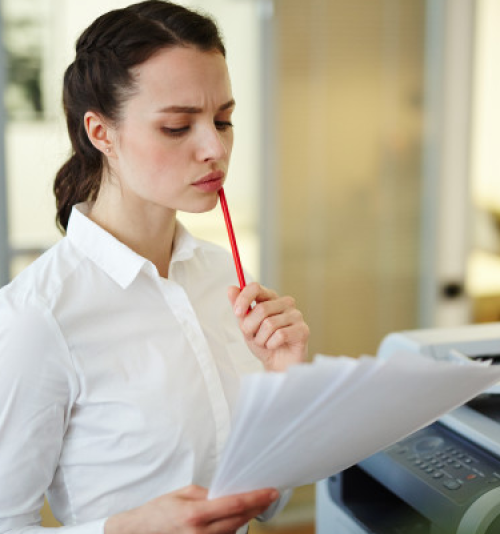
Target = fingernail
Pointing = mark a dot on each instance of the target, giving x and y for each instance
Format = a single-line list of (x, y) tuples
[(237, 310), (274, 494)]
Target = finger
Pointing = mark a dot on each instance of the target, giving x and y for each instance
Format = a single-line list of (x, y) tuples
[(235, 505), (262, 311), (252, 293), (231, 524), (270, 325), (232, 293), (290, 335)]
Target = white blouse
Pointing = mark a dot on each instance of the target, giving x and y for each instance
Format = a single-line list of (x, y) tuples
[(116, 384)]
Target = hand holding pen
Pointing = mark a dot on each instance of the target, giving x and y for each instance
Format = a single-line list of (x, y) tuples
[(273, 328)]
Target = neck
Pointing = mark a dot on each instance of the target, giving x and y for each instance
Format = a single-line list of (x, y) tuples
[(145, 228)]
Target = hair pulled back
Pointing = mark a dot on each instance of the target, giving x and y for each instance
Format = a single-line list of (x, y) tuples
[(100, 79)]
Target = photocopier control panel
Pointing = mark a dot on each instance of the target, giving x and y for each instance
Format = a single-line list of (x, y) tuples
[(433, 482), (453, 467), (442, 479)]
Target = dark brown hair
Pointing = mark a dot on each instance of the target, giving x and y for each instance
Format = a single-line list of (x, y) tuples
[(100, 79)]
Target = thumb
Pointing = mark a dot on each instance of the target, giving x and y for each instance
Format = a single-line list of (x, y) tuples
[(232, 294)]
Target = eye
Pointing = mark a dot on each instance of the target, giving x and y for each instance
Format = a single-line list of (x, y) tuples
[(175, 132), (223, 125)]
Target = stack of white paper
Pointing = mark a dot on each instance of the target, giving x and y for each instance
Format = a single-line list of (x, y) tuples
[(317, 419)]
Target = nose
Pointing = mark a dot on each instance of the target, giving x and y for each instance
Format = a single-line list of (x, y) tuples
[(212, 145)]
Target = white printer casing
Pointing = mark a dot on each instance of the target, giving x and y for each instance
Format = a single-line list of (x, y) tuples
[(362, 499)]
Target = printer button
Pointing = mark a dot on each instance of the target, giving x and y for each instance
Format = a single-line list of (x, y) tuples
[(452, 484)]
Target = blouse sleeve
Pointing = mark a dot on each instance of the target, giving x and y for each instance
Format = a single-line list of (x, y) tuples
[(37, 387)]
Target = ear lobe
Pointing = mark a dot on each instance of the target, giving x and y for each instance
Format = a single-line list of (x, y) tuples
[(98, 131)]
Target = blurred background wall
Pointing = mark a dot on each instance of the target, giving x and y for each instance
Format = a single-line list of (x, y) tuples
[(349, 97), (365, 179)]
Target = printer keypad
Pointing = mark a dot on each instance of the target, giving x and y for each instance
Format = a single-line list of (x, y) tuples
[(451, 469)]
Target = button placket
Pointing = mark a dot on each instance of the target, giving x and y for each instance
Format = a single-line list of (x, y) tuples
[(179, 304)]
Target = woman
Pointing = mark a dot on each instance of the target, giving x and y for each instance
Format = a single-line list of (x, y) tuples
[(120, 348)]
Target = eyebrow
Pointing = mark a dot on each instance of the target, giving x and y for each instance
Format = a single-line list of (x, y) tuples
[(192, 109)]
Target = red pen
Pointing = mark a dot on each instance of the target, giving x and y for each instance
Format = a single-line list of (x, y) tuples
[(232, 239)]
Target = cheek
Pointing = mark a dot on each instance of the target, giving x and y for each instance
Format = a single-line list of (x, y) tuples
[(167, 160), (152, 155), (163, 169)]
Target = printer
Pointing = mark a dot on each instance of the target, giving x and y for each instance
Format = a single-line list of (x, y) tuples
[(444, 478)]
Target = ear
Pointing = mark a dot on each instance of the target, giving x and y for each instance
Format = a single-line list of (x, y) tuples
[(98, 131)]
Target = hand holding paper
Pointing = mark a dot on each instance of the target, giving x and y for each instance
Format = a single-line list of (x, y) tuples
[(294, 428)]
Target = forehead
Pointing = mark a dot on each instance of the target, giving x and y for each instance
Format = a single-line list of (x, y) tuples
[(183, 76)]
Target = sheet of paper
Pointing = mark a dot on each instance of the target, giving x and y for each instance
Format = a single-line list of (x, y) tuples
[(294, 428)]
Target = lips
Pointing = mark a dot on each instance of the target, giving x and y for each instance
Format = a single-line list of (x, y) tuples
[(210, 183), (210, 177)]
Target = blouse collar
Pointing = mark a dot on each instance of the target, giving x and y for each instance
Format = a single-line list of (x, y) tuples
[(117, 260)]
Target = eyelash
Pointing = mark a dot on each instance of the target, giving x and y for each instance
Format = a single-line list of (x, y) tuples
[(222, 126)]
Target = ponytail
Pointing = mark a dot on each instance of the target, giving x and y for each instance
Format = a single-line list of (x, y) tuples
[(75, 182)]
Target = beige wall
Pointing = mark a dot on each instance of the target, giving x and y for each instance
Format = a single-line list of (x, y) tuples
[(349, 113)]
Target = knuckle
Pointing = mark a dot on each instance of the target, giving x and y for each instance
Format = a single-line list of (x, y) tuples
[(269, 323), (264, 309), (282, 336), (299, 318), (278, 338)]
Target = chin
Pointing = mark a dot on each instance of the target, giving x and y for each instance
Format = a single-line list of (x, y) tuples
[(203, 206)]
